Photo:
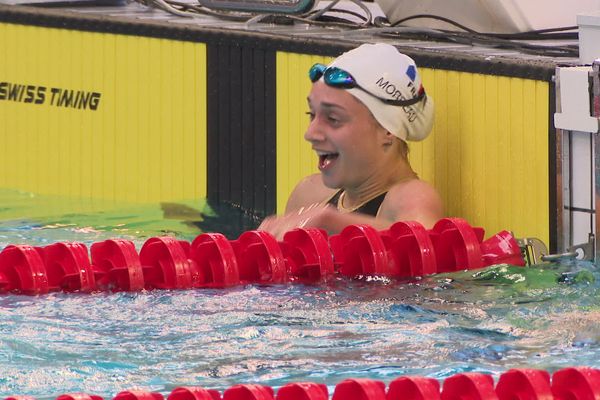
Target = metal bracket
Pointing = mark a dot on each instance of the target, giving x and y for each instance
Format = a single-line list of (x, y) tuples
[(585, 251), (595, 78), (576, 112), (535, 251), (532, 250)]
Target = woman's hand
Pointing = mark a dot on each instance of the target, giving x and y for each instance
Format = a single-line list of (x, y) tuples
[(314, 215), (320, 216)]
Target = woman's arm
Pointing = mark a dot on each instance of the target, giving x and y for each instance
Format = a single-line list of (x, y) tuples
[(310, 190), (320, 216), (414, 200)]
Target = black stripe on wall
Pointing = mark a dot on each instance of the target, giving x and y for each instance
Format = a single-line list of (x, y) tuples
[(241, 127)]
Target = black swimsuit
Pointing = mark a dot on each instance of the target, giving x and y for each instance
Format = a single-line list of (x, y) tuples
[(371, 207)]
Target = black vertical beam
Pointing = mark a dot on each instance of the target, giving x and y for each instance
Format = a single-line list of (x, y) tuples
[(269, 151), (233, 141), (241, 127), (213, 159), (248, 155)]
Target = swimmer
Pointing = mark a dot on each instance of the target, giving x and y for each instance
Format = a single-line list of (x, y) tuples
[(364, 107)]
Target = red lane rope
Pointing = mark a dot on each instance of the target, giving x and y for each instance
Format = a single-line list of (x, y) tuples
[(405, 250), (574, 383)]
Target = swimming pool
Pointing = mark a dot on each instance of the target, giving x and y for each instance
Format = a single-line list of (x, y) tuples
[(488, 321)]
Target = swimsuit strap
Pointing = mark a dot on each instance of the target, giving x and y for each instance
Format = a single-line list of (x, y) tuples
[(370, 207), (335, 198)]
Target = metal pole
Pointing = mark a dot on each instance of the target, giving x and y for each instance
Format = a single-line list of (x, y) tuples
[(595, 81), (561, 162)]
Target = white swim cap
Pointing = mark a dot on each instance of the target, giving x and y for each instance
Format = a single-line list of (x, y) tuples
[(386, 73)]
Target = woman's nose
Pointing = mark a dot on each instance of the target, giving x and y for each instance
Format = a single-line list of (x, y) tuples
[(314, 132)]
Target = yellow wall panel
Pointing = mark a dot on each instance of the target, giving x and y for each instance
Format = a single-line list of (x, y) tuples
[(491, 163), (487, 155), (145, 142)]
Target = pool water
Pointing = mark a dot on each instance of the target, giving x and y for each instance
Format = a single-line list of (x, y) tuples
[(502, 317)]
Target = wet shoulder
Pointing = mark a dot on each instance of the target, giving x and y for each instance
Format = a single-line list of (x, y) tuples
[(308, 191), (414, 200)]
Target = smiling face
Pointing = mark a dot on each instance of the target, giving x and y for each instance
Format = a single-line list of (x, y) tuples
[(349, 142)]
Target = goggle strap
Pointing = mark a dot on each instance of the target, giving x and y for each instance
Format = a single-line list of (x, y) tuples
[(348, 82)]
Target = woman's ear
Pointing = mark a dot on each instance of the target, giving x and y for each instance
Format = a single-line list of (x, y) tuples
[(389, 139)]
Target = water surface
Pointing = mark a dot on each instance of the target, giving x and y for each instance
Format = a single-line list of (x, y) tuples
[(546, 316)]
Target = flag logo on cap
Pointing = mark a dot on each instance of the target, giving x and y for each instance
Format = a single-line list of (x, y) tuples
[(411, 72)]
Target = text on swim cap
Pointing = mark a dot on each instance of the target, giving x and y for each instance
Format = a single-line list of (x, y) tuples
[(391, 89)]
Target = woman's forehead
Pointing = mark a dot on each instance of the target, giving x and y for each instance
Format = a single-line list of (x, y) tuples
[(321, 94)]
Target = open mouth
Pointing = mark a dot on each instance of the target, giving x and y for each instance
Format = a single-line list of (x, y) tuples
[(326, 159)]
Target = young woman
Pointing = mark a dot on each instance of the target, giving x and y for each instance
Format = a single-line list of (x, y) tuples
[(364, 106)]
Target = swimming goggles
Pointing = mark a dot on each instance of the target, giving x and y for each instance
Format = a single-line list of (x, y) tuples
[(338, 78)]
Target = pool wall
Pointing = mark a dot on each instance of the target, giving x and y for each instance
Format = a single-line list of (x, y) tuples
[(145, 140), (189, 112)]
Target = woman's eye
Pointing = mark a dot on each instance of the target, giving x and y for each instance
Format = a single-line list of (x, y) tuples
[(333, 119), (311, 115)]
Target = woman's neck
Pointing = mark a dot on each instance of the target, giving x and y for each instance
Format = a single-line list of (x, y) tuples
[(378, 184)]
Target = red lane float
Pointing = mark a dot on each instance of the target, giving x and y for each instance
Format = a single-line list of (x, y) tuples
[(138, 395), (68, 267), (117, 265), (413, 388), (19, 398), (166, 265), (249, 392), (303, 391), (580, 383), (22, 269), (456, 245), (502, 248), (359, 250), (469, 386), (78, 396), (260, 258), (194, 393), (359, 389), (524, 384), (216, 261), (404, 250), (411, 249), (308, 255)]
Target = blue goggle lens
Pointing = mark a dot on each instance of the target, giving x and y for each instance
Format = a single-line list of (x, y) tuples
[(339, 78), (333, 76), (316, 72)]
